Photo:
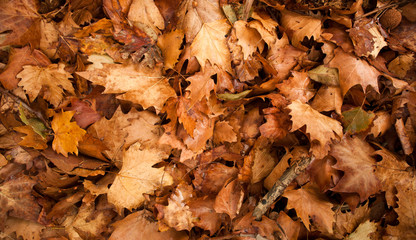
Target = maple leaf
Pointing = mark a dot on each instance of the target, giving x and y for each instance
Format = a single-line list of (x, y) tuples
[(248, 38), (300, 26), (141, 225), (18, 57), (353, 71), (211, 44), (22, 18), (354, 158), (177, 213), (17, 200), (201, 85), (310, 203), (169, 44), (53, 78), (137, 176), (67, 133), (357, 120), (320, 127), (31, 139), (366, 37), (297, 87), (139, 84)]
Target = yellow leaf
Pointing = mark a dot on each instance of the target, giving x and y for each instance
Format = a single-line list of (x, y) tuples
[(53, 78), (137, 176), (211, 44), (31, 139), (67, 133)]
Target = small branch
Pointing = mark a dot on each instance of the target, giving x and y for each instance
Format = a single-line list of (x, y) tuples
[(381, 8), (25, 105), (280, 185), (246, 9)]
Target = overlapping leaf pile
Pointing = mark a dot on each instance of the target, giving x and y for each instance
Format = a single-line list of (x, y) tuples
[(170, 119)]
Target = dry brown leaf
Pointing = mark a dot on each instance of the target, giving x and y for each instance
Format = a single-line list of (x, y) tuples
[(381, 123), (141, 225), (263, 158), (323, 174), (193, 14), (309, 202), (223, 133), (201, 85), (300, 26), (53, 78), (353, 71), (230, 199), (320, 127), (23, 228), (169, 44), (203, 210), (211, 44), (138, 83), (328, 98), (137, 177), (297, 87), (31, 139), (354, 158), (145, 15), (177, 213), (67, 133), (248, 38)]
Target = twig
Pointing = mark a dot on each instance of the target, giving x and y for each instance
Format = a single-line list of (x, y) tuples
[(246, 9), (381, 8), (280, 185), (24, 104)]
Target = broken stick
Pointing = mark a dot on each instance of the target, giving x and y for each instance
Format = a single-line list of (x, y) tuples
[(280, 185)]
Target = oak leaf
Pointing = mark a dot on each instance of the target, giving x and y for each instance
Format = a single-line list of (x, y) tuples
[(67, 133), (354, 158), (17, 200), (17, 59), (137, 176), (53, 78), (353, 71), (211, 44), (138, 84), (320, 127), (31, 139), (309, 202)]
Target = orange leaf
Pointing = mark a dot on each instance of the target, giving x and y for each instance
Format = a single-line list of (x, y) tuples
[(67, 133), (31, 139)]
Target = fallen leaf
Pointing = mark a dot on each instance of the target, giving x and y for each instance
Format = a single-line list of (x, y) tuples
[(324, 75), (248, 225), (141, 225), (309, 202), (229, 199), (85, 113), (357, 120), (210, 179), (248, 38), (320, 127), (22, 18), (67, 133), (367, 38), (300, 26), (17, 200), (354, 159), (54, 78), (353, 71), (382, 122), (327, 99), (18, 57), (211, 44), (146, 16), (201, 85), (298, 87), (23, 228), (323, 174), (364, 231), (139, 84), (207, 218), (223, 132), (277, 123), (291, 228), (169, 44), (31, 139), (137, 176), (263, 159)]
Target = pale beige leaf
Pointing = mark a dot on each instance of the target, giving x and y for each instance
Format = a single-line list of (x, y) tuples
[(146, 16), (211, 44), (137, 177), (320, 127), (53, 78), (139, 84)]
